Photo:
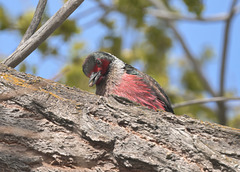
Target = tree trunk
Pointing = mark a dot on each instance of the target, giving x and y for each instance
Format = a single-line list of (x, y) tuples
[(46, 126)]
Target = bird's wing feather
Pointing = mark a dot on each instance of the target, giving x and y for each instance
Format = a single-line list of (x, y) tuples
[(147, 91)]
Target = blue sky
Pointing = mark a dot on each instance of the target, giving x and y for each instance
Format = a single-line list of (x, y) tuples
[(197, 35)]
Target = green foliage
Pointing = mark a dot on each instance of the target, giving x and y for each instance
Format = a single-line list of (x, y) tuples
[(158, 38), (195, 6), (191, 82), (24, 21), (43, 47), (206, 56), (235, 122), (112, 44), (107, 23), (73, 75), (67, 29), (23, 67), (27, 68), (133, 10), (4, 19)]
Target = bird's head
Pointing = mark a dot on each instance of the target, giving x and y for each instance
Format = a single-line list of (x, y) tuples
[(96, 66)]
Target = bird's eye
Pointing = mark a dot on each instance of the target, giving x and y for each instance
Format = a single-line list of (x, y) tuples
[(99, 63)]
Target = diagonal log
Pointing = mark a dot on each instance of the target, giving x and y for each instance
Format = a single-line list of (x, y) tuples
[(48, 126)]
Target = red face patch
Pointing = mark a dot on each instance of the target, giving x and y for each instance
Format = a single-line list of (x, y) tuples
[(102, 66)]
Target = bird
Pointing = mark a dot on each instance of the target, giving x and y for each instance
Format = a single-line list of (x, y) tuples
[(114, 77)]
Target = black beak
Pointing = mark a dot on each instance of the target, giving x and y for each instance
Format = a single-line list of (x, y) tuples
[(94, 78)]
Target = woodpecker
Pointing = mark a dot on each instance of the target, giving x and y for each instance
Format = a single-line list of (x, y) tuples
[(114, 77)]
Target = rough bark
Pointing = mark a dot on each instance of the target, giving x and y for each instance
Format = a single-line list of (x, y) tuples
[(47, 126)]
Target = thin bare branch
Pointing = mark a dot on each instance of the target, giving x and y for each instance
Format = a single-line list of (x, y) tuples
[(189, 55), (35, 21), (42, 33), (225, 47), (60, 74), (166, 15), (206, 100), (86, 12)]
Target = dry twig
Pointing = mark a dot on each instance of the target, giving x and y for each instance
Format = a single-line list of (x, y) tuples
[(206, 100), (42, 33)]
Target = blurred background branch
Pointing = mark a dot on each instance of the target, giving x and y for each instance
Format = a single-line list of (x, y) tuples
[(167, 15), (221, 105), (206, 100)]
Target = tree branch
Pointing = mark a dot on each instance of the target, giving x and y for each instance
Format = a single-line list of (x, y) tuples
[(46, 126), (42, 33), (206, 100), (165, 15), (225, 47), (189, 55), (35, 21)]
